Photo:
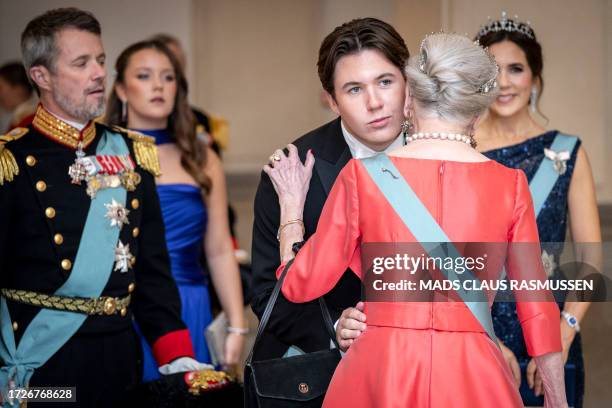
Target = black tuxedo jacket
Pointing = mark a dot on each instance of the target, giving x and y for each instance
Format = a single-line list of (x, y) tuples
[(298, 324)]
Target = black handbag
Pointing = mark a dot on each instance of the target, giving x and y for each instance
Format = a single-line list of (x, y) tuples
[(296, 381)]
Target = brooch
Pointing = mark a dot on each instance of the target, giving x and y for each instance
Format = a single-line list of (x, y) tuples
[(559, 159)]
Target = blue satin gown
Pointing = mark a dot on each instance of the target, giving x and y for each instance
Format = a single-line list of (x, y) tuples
[(185, 218)]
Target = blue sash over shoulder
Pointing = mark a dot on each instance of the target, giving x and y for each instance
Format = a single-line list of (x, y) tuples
[(426, 230), (552, 166), (548, 172), (51, 329)]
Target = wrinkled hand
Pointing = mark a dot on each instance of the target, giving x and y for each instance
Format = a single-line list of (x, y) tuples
[(350, 326), (234, 343), (290, 178), (183, 364), (512, 362)]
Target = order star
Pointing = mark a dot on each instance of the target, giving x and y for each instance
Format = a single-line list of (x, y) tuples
[(117, 213)]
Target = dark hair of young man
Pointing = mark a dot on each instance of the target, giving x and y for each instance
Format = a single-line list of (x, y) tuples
[(355, 36)]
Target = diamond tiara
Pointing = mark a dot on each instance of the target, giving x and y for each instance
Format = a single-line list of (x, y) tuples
[(508, 25)]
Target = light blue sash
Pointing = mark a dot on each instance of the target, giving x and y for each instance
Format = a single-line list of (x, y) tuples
[(51, 329), (546, 177), (426, 230)]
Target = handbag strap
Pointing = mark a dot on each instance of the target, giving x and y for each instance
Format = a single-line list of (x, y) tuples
[(329, 325), (270, 306)]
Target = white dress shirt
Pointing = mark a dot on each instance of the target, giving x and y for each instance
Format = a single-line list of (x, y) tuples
[(361, 151)]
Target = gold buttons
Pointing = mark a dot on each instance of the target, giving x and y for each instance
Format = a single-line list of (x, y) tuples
[(110, 305), (123, 312), (41, 186), (131, 287), (58, 239), (135, 203), (66, 264), (132, 261), (135, 232), (31, 161), (15, 326), (50, 212)]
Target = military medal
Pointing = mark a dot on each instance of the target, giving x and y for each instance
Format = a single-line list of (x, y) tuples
[(130, 179), (117, 213), (122, 257), (105, 171), (77, 171)]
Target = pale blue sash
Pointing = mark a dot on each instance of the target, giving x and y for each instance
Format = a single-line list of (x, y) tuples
[(51, 329), (427, 231), (546, 176)]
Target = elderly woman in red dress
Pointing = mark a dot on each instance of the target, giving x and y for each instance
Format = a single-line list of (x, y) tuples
[(422, 354)]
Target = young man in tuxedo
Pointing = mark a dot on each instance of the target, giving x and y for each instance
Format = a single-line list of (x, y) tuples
[(361, 67)]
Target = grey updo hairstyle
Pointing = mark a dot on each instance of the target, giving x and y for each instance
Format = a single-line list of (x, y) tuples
[(447, 77)]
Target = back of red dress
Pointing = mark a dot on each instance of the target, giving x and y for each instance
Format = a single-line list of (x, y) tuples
[(472, 202)]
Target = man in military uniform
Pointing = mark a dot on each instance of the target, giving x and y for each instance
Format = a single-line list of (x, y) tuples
[(82, 247)]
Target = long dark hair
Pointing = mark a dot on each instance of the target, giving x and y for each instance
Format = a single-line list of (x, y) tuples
[(530, 46), (181, 122)]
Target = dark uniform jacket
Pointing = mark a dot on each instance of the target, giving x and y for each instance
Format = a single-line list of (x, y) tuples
[(292, 323), (42, 216)]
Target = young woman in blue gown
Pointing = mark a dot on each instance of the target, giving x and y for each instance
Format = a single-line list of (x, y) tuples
[(150, 97)]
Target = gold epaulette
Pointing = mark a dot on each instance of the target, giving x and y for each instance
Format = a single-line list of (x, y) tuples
[(144, 149), (8, 165)]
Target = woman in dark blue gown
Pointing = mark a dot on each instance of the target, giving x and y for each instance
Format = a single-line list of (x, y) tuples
[(511, 136), (150, 97)]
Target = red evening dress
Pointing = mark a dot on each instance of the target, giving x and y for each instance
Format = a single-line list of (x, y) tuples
[(424, 354)]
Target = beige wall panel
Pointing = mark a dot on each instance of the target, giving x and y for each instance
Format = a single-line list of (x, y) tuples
[(256, 65), (414, 19)]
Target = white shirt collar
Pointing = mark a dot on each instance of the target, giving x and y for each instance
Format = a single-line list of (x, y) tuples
[(76, 125), (361, 151)]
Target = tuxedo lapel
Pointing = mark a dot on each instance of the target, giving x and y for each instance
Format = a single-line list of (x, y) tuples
[(333, 157), (328, 172)]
